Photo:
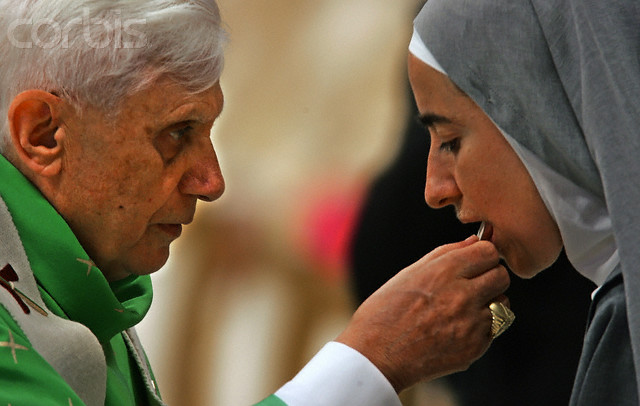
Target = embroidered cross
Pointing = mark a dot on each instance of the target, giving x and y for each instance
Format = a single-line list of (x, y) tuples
[(7, 277), (88, 262), (12, 344)]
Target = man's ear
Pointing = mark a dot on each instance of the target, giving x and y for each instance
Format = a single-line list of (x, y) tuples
[(34, 125)]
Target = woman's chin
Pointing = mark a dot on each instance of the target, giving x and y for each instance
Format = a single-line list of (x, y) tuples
[(528, 269)]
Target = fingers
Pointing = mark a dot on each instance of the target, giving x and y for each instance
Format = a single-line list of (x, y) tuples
[(433, 317), (477, 258), (470, 257), (491, 285), (502, 299), (473, 260), (443, 249), (478, 263)]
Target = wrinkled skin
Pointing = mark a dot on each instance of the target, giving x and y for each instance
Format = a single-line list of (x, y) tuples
[(126, 184), (432, 318)]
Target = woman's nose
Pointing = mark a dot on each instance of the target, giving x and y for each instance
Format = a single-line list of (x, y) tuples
[(440, 188)]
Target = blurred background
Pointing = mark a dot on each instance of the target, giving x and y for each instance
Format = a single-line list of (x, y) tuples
[(325, 167), (315, 105)]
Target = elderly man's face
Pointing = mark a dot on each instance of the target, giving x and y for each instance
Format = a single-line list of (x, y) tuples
[(472, 167), (129, 184)]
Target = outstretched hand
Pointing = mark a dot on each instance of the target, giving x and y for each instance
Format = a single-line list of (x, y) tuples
[(432, 318)]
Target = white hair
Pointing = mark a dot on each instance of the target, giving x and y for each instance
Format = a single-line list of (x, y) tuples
[(98, 52)]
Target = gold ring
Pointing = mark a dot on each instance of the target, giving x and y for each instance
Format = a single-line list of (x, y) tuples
[(501, 318)]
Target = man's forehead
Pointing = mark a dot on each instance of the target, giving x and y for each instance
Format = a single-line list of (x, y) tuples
[(167, 101)]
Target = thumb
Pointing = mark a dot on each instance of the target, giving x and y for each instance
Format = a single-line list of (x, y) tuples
[(443, 249)]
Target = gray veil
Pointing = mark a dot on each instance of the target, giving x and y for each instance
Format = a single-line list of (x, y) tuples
[(561, 79)]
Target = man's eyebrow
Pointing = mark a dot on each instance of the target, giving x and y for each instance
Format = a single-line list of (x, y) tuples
[(192, 115), (430, 119)]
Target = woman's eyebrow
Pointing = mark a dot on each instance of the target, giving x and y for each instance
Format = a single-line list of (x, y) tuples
[(430, 119)]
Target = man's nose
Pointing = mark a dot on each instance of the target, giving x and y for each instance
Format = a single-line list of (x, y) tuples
[(440, 188), (203, 178)]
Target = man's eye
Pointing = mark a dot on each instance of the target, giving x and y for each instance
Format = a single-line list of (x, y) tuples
[(450, 146), (180, 133), (171, 142)]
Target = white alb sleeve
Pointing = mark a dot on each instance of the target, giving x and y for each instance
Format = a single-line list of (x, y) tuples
[(338, 375)]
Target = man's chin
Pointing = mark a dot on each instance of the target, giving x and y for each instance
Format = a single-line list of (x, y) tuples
[(141, 265), (150, 264)]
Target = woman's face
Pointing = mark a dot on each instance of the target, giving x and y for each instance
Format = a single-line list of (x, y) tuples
[(472, 167)]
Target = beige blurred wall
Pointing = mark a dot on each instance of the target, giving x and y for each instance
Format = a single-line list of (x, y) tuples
[(315, 105), (313, 89)]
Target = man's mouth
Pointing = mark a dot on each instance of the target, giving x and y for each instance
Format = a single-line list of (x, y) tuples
[(174, 230)]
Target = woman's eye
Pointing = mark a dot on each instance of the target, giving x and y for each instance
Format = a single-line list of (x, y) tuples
[(450, 146)]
